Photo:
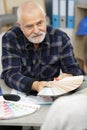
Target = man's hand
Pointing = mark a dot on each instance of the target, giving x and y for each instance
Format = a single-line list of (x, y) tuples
[(39, 85)]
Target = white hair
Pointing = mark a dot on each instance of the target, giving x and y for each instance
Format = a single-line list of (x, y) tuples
[(30, 4)]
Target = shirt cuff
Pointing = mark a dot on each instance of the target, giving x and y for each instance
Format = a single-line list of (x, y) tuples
[(28, 88)]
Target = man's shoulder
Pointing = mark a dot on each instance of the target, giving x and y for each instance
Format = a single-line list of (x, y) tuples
[(14, 31), (55, 31)]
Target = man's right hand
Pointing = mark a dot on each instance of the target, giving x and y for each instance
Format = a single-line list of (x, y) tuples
[(39, 85)]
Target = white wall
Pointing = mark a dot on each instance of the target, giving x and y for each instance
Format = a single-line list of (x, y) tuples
[(7, 5), (2, 10)]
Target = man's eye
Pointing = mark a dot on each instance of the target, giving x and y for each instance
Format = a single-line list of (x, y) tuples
[(29, 27), (40, 23)]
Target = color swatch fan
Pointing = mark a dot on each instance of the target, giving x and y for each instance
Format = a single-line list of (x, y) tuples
[(63, 86), (11, 109)]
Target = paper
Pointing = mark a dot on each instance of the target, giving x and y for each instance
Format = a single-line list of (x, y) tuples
[(11, 109), (33, 99), (62, 86)]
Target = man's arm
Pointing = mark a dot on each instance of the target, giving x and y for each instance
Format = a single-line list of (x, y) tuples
[(69, 64), (11, 63)]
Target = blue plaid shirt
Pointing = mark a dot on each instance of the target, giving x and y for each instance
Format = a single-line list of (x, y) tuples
[(23, 64)]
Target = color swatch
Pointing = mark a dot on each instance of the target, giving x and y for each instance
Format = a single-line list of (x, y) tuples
[(11, 109)]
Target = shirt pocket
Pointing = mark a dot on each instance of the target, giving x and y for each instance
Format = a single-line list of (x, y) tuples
[(26, 64)]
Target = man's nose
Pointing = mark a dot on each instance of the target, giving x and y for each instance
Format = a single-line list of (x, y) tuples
[(36, 29)]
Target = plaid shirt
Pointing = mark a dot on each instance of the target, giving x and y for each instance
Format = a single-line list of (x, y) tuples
[(23, 64)]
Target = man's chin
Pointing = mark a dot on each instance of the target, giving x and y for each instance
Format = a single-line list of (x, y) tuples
[(36, 41)]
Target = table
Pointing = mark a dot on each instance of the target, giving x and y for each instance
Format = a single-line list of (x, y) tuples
[(34, 119), (37, 118)]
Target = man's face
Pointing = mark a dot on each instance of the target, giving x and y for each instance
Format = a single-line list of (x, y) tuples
[(34, 26)]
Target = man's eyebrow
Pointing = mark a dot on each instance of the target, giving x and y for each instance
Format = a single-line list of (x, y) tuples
[(39, 21), (29, 25)]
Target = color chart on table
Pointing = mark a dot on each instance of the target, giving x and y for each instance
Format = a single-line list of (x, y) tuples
[(11, 109)]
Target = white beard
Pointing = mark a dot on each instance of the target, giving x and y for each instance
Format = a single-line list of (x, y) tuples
[(37, 38)]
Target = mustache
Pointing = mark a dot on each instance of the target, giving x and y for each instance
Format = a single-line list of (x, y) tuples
[(36, 35)]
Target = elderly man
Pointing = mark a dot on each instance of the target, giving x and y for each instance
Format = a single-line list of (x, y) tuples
[(33, 54)]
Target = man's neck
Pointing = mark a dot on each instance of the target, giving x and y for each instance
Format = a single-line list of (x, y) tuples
[(36, 45)]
